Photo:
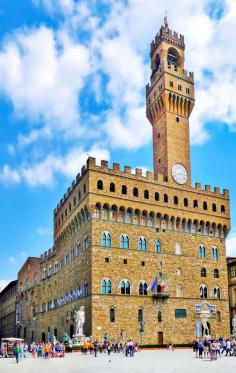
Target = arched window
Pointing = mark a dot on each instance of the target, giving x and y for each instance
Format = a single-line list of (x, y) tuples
[(56, 267), (50, 270), (203, 291), (173, 57), (142, 289), (100, 184), (176, 201), (201, 252), (185, 202), (216, 273), (203, 272), (112, 314), (112, 187), (214, 253), (157, 197), (106, 286), (204, 205), (195, 204), (216, 292), (140, 315), (157, 62), (159, 316), (106, 239), (36, 279), (158, 246), (44, 273), (124, 189), (222, 209), (213, 207), (135, 192), (125, 287), (124, 241), (165, 198), (146, 194), (28, 283), (142, 244), (179, 271)]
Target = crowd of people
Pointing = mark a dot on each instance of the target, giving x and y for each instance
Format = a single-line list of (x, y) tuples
[(214, 348), (40, 350), (93, 347)]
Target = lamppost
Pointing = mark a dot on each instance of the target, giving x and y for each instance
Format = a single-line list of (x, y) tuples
[(141, 330)]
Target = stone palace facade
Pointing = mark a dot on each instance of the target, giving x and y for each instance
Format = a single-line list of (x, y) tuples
[(144, 254)]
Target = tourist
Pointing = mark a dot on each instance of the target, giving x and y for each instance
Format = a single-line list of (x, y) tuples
[(195, 347), (95, 344), (228, 348), (25, 350), (218, 346), (200, 348), (17, 352)]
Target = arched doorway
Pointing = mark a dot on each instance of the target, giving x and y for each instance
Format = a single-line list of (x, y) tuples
[(71, 331), (43, 337)]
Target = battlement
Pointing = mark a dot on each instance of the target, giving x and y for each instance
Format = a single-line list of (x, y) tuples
[(148, 176), (48, 253), (169, 36), (165, 67)]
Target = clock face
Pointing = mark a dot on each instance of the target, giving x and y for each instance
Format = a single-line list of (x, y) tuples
[(179, 173)]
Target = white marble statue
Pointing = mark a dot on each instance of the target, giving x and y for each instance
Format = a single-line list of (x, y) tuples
[(79, 321), (205, 327)]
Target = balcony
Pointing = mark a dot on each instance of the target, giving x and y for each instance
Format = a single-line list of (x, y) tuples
[(161, 295)]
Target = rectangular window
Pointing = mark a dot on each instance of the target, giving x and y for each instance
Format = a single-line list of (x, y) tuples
[(188, 91), (125, 261), (107, 260), (179, 87), (84, 188), (171, 84), (180, 313), (142, 264)]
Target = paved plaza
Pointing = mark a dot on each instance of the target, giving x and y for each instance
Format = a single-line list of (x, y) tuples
[(180, 361)]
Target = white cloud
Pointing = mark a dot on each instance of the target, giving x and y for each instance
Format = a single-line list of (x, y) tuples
[(12, 260), (3, 284), (231, 244), (43, 173), (42, 72), (42, 231), (9, 176)]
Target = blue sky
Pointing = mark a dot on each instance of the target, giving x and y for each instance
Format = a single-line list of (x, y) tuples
[(72, 83)]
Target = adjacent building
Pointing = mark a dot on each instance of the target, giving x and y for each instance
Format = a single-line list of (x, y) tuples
[(231, 261), (143, 254), (8, 310), (27, 298)]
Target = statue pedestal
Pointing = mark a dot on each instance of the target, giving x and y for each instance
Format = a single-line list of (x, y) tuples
[(78, 339)]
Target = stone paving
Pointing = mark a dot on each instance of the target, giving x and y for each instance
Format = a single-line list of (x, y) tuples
[(181, 361)]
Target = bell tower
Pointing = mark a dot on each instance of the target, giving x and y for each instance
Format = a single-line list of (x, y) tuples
[(169, 103)]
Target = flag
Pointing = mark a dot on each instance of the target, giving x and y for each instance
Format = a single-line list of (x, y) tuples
[(154, 285), (168, 283), (163, 283)]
